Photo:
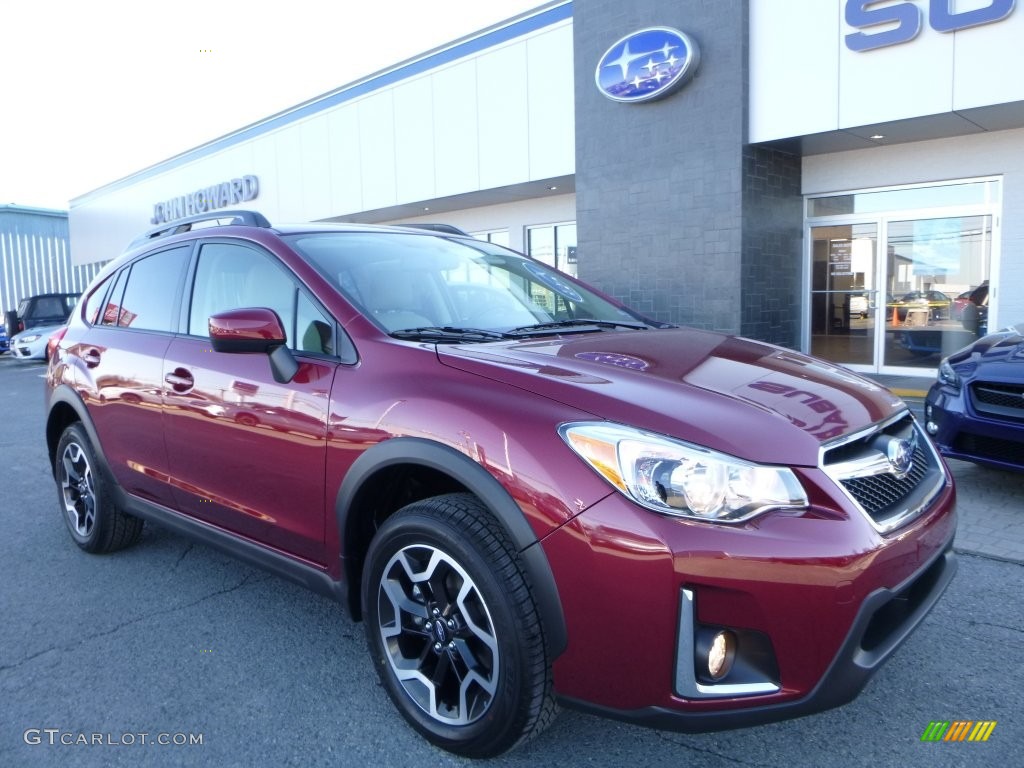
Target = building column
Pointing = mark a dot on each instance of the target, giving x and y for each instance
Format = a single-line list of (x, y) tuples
[(677, 216)]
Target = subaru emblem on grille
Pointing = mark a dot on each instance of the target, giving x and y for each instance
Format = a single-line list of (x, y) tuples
[(901, 455)]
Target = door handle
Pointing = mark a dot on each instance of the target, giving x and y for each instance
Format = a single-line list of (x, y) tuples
[(180, 380), (91, 357)]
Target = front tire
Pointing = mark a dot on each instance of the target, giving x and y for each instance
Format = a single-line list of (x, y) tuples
[(453, 629), (93, 520)]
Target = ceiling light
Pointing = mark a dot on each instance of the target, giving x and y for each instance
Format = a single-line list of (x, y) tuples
[(876, 137)]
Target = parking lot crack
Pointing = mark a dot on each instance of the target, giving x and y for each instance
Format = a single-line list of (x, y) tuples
[(181, 557), (248, 579), (703, 751), (1018, 630), (27, 659)]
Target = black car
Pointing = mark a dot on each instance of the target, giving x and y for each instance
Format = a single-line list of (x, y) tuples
[(42, 309), (934, 305), (974, 316)]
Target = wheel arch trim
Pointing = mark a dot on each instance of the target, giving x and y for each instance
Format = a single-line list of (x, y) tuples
[(65, 395), (479, 482)]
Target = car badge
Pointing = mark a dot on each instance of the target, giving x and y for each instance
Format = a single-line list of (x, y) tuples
[(646, 65), (901, 455), (616, 359)]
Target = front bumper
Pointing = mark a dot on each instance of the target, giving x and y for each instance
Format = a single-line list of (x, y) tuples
[(31, 351), (962, 433), (831, 596), (846, 677)]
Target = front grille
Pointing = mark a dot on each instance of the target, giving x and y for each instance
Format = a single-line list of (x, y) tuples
[(878, 493), (861, 466), (998, 399), (994, 448)]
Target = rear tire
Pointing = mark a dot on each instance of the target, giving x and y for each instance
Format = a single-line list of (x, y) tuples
[(453, 628), (11, 323), (94, 522)]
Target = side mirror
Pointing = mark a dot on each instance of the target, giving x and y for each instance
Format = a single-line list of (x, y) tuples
[(254, 330)]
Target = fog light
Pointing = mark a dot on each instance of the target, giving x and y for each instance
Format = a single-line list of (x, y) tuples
[(932, 428), (721, 654)]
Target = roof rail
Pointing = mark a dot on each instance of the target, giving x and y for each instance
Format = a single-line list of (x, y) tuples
[(248, 218), (447, 229)]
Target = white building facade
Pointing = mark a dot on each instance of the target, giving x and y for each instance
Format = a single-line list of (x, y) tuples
[(833, 177)]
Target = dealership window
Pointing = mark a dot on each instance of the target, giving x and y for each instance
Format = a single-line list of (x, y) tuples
[(554, 244), (496, 236), (892, 270)]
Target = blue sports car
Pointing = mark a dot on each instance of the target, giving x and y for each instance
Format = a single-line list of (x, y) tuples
[(975, 410)]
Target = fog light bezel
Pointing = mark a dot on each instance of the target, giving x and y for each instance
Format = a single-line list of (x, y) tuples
[(757, 675)]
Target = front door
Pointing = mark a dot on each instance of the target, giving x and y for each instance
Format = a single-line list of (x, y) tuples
[(266, 439)]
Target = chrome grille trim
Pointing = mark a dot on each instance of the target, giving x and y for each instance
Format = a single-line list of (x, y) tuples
[(865, 476)]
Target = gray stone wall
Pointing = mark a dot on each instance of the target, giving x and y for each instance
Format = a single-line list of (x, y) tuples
[(663, 188), (772, 246)]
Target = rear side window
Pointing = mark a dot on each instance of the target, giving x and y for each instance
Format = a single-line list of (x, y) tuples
[(149, 301), (110, 312), (94, 303)]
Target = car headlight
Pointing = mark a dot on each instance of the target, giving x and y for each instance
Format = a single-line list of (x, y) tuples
[(947, 375), (678, 478), (29, 339)]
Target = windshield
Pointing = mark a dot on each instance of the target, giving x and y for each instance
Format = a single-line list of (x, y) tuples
[(412, 282)]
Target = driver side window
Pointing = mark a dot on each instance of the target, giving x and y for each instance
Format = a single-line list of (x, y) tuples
[(233, 276)]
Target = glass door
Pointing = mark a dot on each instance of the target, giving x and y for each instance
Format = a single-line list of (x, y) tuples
[(844, 296), (932, 267), (899, 276)]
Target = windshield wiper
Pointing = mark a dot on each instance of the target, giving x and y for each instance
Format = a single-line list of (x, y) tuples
[(447, 333), (578, 322)]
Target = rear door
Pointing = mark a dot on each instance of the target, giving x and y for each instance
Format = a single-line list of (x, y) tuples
[(120, 367), (248, 453)]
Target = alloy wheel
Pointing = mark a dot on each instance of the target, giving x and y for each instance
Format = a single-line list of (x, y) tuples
[(77, 489), (438, 634)]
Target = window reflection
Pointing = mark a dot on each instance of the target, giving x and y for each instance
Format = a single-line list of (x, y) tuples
[(933, 267), (941, 196), (555, 245)]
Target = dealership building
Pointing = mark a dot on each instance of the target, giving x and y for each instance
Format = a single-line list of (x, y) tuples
[(828, 175)]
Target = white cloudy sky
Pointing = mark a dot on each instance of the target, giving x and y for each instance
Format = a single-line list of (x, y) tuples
[(93, 90)]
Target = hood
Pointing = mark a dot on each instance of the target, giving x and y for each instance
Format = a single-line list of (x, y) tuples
[(998, 356), (38, 330), (748, 399)]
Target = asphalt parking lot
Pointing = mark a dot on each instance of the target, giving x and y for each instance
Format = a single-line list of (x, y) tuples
[(177, 641)]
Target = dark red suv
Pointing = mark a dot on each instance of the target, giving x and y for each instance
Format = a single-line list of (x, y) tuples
[(529, 493)]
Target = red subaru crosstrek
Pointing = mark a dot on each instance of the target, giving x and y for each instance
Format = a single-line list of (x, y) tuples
[(529, 493)]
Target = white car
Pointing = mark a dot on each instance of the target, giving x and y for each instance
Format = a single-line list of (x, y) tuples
[(859, 306), (31, 344)]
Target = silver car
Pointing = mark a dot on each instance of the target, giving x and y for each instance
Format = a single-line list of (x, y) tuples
[(31, 344)]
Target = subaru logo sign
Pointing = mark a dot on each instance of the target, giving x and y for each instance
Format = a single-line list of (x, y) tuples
[(647, 65)]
